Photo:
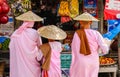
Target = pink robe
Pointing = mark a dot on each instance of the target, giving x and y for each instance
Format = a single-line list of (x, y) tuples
[(87, 66), (24, 53), (55, 67)]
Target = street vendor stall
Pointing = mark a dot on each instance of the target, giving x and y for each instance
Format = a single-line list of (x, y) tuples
[(6, 29), (51, 11), (112, 13), (112, 59)]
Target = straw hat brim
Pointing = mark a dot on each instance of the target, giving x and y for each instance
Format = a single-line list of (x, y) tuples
[(29, 16), (85, 17), (52, 32)]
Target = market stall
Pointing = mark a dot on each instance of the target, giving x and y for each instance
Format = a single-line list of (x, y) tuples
[(6, 29), (108, 64), (111, 13), (61, 16), (64, 21)]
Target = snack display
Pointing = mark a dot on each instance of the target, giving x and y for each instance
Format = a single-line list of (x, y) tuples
[(106, 61)]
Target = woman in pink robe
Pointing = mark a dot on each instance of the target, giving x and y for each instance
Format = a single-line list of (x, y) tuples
[(24, 52), (87, 65), (52, 63)]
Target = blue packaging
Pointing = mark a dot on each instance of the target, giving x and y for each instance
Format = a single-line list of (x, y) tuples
[(113, 33)]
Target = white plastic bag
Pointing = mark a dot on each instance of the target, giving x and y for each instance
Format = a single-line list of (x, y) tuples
[(108, 42)]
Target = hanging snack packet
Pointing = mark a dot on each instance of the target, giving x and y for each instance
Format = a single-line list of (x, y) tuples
[(74, 8), (64, 8), (113, 33)]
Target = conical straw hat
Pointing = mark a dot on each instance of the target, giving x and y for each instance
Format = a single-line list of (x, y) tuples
[(52, 32), (29, 16), (85, 17)]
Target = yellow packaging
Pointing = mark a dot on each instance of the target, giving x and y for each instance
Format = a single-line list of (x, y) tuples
[(74, 8), (64, 9)]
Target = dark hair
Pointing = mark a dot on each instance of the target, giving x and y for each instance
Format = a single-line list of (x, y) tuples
[(37, 25)]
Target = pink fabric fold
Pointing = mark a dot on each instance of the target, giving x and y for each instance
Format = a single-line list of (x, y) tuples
[(25, 25)]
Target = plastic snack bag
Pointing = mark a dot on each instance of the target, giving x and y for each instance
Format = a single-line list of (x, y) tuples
[(65, 19), (74, 8), (108, 42), (113, 33), (64, 8)]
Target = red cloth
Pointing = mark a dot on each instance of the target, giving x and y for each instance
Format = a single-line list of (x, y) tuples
[(45, 73)]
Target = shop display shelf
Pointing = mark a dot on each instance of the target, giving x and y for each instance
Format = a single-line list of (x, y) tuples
[(109, 69)]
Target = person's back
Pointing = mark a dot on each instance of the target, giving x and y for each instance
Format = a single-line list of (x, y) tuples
[(51, 50), (23, 53), (24, 48), (87, 65), (85, 45)]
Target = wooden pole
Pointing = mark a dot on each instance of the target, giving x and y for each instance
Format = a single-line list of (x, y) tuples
[(100, 15), (119, 50), (119, 55)]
